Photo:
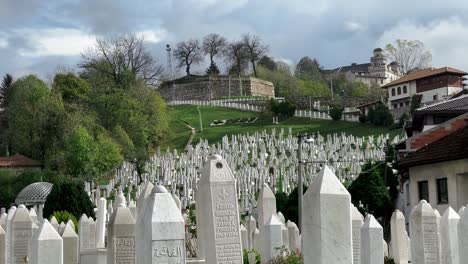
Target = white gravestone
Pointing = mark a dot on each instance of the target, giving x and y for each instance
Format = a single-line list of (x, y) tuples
[(160, 230), (357, 220), (326, 218), (463, 235), (84, 232), (11, 213), (293, 235), (449, 237), (2, 246), (101, 223), (121, 234), (92, 232), (399, 244), (21, 233), (46, 246), (244, 237), (251, 227), (372, 247), (284, 235), (70, 245), (221, 233), (424, 235), (273, 239)]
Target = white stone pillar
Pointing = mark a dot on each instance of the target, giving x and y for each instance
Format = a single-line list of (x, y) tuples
[(357, 220), (21, 233), (101, 223), (293, 235), (46, 246), (2, 246), (121, 233), (326, 218), (70, 245), (463, 235), (372, 247), (160, 233), (218, 195), (244, 237), (449, 237), (272, 234), (399, 244), (424, 234)]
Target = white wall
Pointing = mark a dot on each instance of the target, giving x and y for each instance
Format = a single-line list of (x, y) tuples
[(457, 185)]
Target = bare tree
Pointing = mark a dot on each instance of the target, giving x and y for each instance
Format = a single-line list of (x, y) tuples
[(116, 56), (188, 53), (213, 44), (410, 54), (255, 49), (235, 55)]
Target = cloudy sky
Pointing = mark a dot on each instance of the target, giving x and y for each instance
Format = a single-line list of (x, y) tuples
[(39, 36)]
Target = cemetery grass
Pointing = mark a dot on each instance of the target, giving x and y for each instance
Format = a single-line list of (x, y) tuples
[(188, 114)]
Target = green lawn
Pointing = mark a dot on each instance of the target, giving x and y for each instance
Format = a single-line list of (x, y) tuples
[(188, 114)]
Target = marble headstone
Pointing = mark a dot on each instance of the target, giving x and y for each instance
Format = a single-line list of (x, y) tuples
[(372, 247), (46, 246), (70, 245), (160, 230), (326, 218), (218, 195)]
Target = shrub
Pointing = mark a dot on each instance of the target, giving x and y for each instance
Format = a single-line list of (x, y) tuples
[(362, 118), (64, 216), (389, 260), (403, 119), (246, 256), (380, 116), (69, 195), (287, 257), (284, 109), (336, 112)]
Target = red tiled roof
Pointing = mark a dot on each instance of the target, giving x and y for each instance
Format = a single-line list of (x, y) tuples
[(451, 147), (425, 73), (18, 160)]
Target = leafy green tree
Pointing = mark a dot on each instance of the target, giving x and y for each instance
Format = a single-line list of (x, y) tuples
[(80, 153), (267, 63), (307, 68), (213, 69), (28, 115), (7, 83), (108, 154), (60, 199), (415, 103), (73, 89), (336, 112), (370, 189)]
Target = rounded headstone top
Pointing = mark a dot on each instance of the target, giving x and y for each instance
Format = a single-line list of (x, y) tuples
[(159, 189), (21, 206), (216, 157), (423, 202)]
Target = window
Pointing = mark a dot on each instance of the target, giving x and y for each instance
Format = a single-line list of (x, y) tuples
[(435, 97), (395, 106), (393, 91), (407, 103), (399, 90), (442, 192), (405, 89), (381, 81), (423, 188), (401, 104)]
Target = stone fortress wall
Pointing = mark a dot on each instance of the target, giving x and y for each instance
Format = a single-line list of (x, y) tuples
[(215, 87)]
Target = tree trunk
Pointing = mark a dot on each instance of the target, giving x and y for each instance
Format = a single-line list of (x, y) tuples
[(187, 69), (254, 69)]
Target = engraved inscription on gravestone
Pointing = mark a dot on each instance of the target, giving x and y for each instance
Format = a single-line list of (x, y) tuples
[(21, 244), (228, 248), (356, 244), (430, 241), (168, 252), (125, 250)]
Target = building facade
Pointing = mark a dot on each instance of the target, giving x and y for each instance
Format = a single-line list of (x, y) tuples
[(433, 85), (376, 73)]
